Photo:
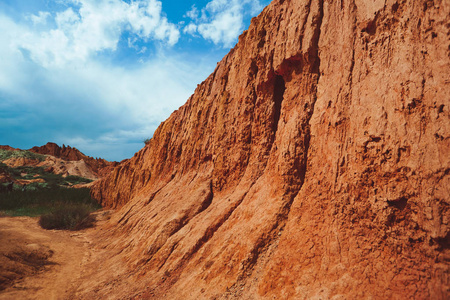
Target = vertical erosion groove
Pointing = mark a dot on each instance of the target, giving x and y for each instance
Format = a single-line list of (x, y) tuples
[(264, 242), (315, 70), (278, 94)]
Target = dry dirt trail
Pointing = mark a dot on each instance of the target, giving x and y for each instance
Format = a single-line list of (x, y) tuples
[(44, 264)]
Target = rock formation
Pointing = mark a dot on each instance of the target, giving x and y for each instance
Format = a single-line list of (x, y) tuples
[(98, 166), (312, 164), (67, 153), (64, 161), (8, 148)]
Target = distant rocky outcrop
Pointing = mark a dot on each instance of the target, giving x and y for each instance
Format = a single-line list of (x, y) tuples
[(98, 166), (313, 163), (23, 167), (6, 147)]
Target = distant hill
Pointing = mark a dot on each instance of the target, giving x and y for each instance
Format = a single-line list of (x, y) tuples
[(49, 165), (98, 166)]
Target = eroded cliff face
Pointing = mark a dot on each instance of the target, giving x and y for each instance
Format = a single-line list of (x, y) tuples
[(313, 163)]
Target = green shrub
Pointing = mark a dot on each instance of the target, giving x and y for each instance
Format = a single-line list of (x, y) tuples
[(72, 179), (71, 217)]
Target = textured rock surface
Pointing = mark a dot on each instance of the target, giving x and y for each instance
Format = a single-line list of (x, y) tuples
[(313, 163)]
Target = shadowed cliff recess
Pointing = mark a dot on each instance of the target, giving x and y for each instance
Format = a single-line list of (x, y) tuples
[(312, 163)]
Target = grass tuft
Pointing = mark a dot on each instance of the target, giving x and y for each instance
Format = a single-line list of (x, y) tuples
[(69, 217)]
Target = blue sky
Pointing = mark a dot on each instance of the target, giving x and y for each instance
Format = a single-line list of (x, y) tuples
[(101, 75)]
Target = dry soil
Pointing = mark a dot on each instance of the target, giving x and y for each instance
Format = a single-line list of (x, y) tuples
[(41, 264)]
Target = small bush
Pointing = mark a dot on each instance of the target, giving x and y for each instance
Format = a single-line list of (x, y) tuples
[(69, 217), (147, 141)]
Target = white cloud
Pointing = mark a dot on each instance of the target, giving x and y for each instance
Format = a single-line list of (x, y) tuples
[(190, 29), (67, 19), (221, 21), (40, 18), (193, 13), (94, 26), (148, 21), (71, 97)]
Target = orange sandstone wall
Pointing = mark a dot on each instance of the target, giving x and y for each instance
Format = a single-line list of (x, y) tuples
[(313, 163)]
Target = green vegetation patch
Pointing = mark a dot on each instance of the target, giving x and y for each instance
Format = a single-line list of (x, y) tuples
[(58, 206), (43, 201), (6, 154), (51, 179)]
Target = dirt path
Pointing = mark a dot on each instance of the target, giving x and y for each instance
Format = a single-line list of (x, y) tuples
[(40, 264)]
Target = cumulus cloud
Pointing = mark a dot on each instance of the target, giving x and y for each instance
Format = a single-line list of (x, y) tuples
[(221, 21), (40, 18), (103, 110), (89, 26), (60, 92)]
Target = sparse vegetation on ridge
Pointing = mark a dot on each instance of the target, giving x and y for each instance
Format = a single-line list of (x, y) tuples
[(51, 179), (6, 154)]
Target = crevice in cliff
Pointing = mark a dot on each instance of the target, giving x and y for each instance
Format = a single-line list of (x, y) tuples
[(278, 96), (443, 243), (289, 66), (314, 60), (352, 63)]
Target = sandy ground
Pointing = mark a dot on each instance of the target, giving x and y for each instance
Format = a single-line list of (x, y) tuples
[(41, 264)]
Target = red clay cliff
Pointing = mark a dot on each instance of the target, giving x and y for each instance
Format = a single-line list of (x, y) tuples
[(312, 164)]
